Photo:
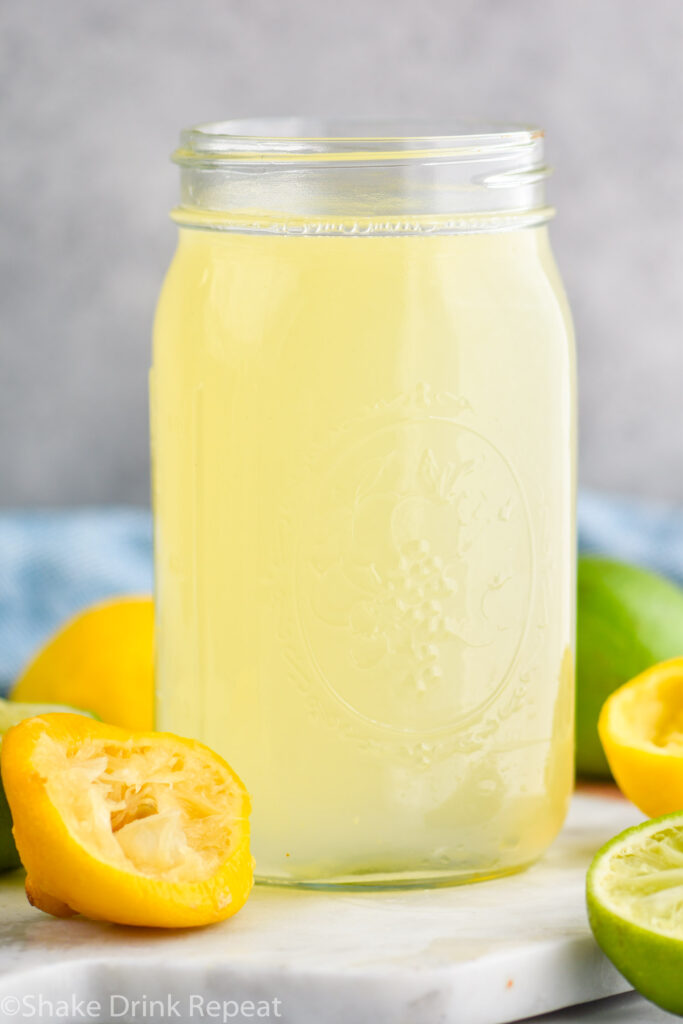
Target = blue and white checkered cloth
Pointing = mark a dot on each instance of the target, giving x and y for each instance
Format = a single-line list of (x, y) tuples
[(54, 562)]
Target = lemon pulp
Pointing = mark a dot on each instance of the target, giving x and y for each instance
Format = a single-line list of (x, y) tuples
[(142, 807)]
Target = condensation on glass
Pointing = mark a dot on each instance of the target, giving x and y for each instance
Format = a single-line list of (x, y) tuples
[(363, 446)]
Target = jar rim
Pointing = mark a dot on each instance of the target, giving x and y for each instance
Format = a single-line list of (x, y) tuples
[(331, 140), (359, 175)]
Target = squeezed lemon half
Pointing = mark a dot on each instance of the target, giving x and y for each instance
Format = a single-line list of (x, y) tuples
[(641, 729), (136, 828)]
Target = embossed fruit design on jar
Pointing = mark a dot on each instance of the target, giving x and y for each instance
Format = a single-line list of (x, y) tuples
[(363, 434), (398, 594)]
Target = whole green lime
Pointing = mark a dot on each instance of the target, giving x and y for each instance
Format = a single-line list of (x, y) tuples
[(628, 620), (9, 858), (11, 713)]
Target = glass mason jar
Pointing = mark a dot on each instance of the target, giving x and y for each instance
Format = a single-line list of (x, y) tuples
[(363, 435)]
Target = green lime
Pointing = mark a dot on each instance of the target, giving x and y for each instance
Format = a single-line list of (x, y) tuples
[(9, 858), (11, 713), (633, 892), (628, 620)]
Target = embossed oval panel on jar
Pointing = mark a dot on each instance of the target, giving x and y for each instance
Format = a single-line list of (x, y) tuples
[(414, 572)]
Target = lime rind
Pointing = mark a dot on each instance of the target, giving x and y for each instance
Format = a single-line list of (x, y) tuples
[(12, 712), (628, 620), (634, 893)]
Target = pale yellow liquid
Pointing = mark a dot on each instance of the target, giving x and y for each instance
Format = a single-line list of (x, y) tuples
[(363, 488)]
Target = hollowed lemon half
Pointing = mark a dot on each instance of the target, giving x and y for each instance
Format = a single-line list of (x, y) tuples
[(137, 828)]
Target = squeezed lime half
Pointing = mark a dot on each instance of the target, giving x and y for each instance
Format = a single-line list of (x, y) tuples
[(634, 892)]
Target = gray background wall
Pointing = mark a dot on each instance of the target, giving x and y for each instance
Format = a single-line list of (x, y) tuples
[(93, 95)]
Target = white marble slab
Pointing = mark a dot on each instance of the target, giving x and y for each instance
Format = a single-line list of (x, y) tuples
[(480, 954)]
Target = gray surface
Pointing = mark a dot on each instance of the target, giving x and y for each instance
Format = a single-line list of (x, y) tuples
[(93, 95), (628, 1009)]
